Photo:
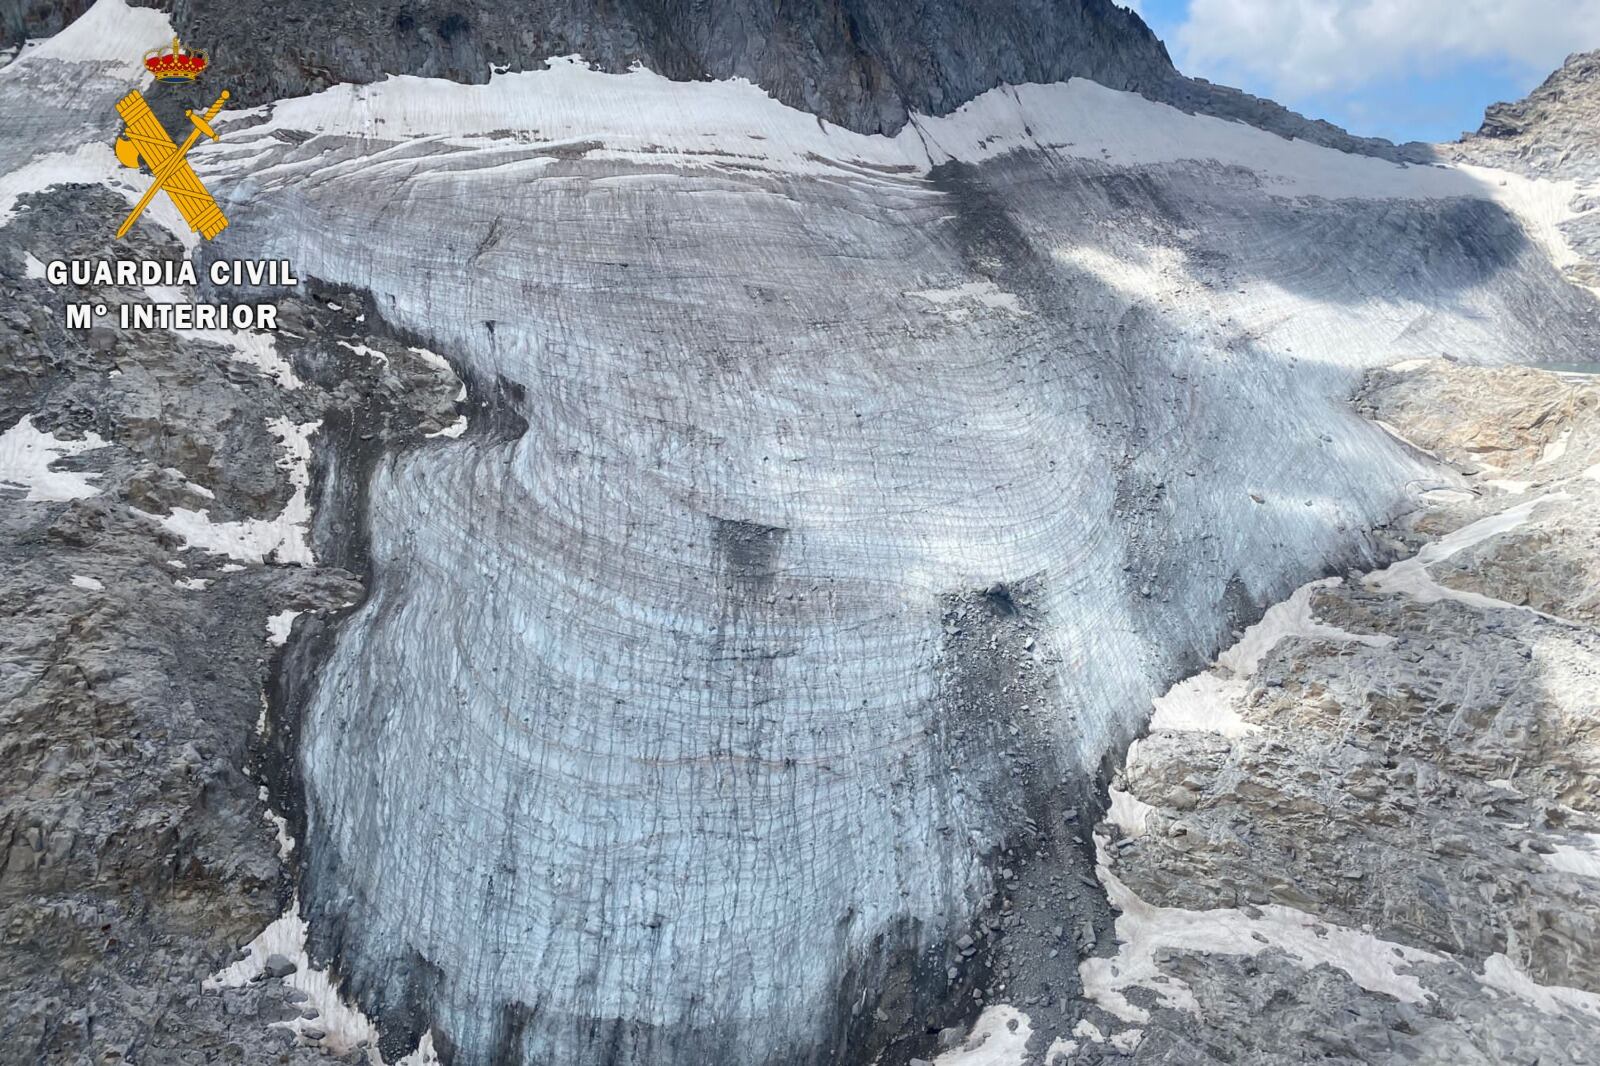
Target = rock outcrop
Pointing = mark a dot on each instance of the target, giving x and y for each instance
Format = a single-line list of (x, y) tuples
[(1377, 818), (866, 65)]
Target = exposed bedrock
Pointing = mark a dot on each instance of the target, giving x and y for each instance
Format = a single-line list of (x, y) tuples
[(868, 65), (662, 737), (1404, 767), (151, 568)]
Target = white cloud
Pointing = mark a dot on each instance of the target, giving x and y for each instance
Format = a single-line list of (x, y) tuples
[(1304, 46)]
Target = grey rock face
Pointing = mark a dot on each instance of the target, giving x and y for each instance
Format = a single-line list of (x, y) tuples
[(135, 851), (1553, 133), (1421, 778), (867, 65)]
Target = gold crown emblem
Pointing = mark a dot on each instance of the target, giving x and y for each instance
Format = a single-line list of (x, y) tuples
[(175, 64)]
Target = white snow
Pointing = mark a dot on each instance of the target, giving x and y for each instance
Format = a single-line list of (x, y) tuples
[(1143, 929), (1555, 449), (1207, 702), (370, 353), (1204, 703), (92, 163), (252, 540), (257, 348), (109, 32), (1127, 812), (1410, 576), (345, 1026), (998, 1038), (1291, 618), (1403, 439), (31, 267), (454, 429), (646, 117), (27, 458), (957, 303), (200, 490), (82, 582), (1542, 205), (280, 625), (280, 826), (439, 362), (1501, 973), (1060, 1051), (1582, 858), (193, 584)]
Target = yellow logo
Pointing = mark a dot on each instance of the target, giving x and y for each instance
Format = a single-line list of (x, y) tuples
[(145, 139)]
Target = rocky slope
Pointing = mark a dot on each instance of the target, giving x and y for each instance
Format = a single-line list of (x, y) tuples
[(1553, 134), (1370, 833), (153, 569), (735, 683)]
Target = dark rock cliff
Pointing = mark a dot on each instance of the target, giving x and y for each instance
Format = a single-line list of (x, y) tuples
[(867, 65)]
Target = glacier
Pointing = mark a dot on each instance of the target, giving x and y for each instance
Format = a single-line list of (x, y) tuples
[(650, 743)]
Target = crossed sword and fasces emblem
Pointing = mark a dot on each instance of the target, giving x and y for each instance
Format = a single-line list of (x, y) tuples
[(146, 139)]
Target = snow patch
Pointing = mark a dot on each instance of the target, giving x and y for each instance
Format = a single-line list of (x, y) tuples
[(1501, 973), (1291, 618), (82, 582), (343, 1026), (280, 826), (1127, 812), (999, 1038), (642, 116), (1582, 858), (109, 32), (260, 350), (957, 303), (1410, 577), (362, 349), (1555, 449), (253, 540), (26, 459), (1143, 930), (87, 164), (280, 625), (453, 430), (439, 362), (1204, 703)]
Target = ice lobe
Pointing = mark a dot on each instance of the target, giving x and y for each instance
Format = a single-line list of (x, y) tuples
[(653, 743)]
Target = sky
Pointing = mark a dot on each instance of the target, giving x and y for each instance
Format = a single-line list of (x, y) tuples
[(1402, 69)]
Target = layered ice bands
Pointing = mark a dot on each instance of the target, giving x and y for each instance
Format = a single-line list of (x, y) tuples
[(677, 728)]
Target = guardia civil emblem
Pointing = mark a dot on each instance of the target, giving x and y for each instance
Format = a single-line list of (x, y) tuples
[(144, 139)]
